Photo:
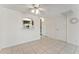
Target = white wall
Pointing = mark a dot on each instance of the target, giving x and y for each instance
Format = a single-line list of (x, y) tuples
[(72, 32), (60, 28), (56, 24), (73, 29), (11, 29), (56, 27), (50, 26)]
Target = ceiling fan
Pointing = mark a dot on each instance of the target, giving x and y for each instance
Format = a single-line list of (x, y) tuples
[(35, 8)]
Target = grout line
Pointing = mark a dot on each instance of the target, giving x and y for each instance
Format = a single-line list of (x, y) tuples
[(75, 50), (62, 48)]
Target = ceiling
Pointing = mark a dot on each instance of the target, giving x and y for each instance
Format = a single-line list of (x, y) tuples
[(50, 9)]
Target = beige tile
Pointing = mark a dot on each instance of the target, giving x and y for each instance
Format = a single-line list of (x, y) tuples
[(77, 50), (18, 50), (45, 45), (69, 49)]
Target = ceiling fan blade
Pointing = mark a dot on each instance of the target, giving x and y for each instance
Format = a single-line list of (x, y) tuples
[(28, 6), (42, 9)]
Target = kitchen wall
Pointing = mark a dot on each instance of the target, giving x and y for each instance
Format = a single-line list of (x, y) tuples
[(12, 31)]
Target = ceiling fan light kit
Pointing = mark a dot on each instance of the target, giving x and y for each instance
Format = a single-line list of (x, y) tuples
[(35, 9), (36, 6)]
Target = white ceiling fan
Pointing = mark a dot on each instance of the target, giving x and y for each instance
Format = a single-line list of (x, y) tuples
[(35, 8)]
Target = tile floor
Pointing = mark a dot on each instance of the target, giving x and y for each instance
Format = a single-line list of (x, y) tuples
[(43, 46)]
